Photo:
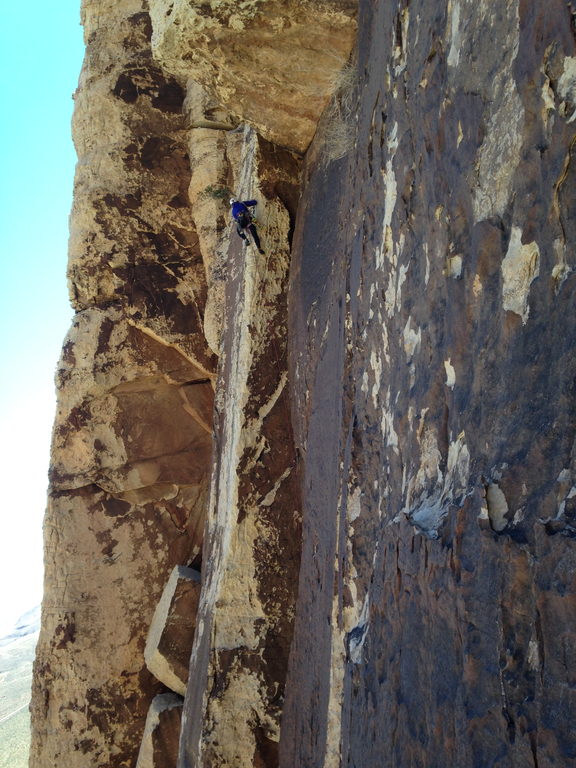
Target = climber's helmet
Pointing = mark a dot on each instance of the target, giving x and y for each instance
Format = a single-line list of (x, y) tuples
[(233, 200)]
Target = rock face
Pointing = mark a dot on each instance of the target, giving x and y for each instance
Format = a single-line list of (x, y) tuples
[(132, 441), (435, 612), (169, 643), (269, 62), (387, 477), (238, 666), (161, 733)]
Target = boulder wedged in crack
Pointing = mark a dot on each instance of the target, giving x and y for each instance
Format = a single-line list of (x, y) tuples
[(159, 747), (171, 633)]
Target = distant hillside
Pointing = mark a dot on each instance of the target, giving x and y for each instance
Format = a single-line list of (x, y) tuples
[(27, 624), (16, 657), (15, 740)]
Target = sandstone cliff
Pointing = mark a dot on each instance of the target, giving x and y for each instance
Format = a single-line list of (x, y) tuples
[(364, 438)]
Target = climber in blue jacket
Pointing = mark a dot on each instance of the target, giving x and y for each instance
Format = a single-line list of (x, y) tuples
[(244, 220)]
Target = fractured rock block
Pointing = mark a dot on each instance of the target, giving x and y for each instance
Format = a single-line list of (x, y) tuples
[(159, 748), (171, 633)]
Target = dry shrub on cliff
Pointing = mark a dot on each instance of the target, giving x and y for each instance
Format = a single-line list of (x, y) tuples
[(217, 193), (339, 116)]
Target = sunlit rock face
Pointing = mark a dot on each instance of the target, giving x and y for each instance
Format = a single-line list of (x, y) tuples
[(270, 63), (132, 443)]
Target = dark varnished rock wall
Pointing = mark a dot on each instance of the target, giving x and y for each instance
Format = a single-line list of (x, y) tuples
[(432, 363)]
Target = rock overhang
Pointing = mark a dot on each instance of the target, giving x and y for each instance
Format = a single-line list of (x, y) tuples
[(270, 64)]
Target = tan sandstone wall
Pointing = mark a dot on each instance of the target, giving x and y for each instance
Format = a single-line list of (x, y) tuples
[(150, 257), (268, 62), (132, 441)]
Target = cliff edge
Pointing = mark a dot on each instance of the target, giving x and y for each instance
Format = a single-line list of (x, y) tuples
[(359, 444)]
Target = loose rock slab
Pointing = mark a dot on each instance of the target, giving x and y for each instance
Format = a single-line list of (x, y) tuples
[(159, 747), (171, 634)]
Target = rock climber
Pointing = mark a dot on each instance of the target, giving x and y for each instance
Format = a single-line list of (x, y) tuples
[(244, 220)]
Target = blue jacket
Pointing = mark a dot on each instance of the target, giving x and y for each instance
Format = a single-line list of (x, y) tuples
[(238, 207)]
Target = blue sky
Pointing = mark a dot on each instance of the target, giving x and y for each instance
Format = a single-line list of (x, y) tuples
[(41, 53)]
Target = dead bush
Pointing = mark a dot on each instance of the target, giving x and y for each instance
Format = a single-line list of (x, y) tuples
[(339, 118)]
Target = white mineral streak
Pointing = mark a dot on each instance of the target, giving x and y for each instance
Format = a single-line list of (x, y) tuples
[(332, 757), (454, 266), (389, 434), (534, 655), (497, 507), (354, 507), (499, 154), (390, 192), (349, 630), (430, 459), (548, 101), (455, 34), (430, 493), (412, 339), (376, 368), (401, 48), (450, 374), (337, 667), (561, 270), (567, 83), (458, 468), (520, 267), (566, 490)]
